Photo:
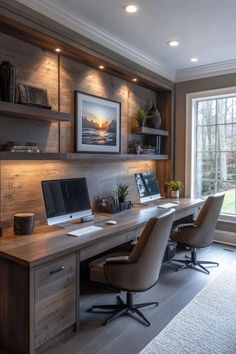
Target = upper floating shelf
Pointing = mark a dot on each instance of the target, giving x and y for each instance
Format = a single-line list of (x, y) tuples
[(17, 110), (149, 131)]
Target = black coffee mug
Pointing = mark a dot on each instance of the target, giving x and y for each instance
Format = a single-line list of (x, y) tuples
[(23, 223)]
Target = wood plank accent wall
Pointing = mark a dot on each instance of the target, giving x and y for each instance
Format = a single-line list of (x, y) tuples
[(20, 180)]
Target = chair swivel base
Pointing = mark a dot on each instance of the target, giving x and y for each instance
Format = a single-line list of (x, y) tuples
[(192, 262), (122, 309)]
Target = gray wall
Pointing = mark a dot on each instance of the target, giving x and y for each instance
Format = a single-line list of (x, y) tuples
[(183, 88)]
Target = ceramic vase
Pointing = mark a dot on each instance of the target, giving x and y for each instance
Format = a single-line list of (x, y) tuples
[(7, 82), (175, 194)]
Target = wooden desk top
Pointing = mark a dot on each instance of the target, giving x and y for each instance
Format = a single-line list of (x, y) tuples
[(48, 243)]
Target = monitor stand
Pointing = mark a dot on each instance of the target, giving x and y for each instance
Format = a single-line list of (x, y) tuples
[(66, 224), (150, 202)]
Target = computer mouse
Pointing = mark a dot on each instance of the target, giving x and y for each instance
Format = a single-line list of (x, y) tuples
[(111, 222)]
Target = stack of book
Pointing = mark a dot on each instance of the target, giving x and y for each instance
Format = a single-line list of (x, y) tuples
[(149, 151), (16, 146)]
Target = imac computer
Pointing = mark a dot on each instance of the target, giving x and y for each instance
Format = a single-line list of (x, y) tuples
[(66, 199), (148, 188)]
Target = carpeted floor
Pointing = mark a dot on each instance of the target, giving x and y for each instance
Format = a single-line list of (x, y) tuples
[(207, 325)]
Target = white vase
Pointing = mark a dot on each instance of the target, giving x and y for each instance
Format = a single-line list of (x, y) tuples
[(175, 194)]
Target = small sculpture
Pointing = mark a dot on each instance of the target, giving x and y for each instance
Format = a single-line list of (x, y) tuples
[(153, 118)]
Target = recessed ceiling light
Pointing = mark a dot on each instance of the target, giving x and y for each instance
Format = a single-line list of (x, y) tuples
[(101, 67), (194, 60), (58, 50), (134, 79), (173, 43), (131, 8)]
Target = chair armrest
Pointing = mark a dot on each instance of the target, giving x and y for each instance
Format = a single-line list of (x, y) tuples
[(183, 226), (118, 260)]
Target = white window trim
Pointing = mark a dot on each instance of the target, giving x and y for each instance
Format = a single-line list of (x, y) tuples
[(190, 136)]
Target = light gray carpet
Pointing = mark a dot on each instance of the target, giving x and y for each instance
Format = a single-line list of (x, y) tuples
[(207, 325)]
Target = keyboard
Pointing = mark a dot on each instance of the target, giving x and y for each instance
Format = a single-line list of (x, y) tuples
[(85, 230)]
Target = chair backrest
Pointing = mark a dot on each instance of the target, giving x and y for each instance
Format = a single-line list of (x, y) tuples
[(202, 234), (142, 269)]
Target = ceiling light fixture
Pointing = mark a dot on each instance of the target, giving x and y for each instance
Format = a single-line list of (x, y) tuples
[(131, 8), (194, 60), (134, 79), (101, 67), (58, 50), (173, 43)]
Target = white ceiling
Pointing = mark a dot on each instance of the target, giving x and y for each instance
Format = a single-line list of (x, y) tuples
[(206, 29)]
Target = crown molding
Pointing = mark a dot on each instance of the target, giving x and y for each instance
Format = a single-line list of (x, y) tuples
[(203, 71), (97, 34)]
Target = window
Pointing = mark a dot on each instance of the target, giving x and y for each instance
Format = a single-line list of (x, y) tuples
[(211, 142)]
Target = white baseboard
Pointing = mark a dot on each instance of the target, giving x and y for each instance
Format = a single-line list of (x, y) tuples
[(225, 237)]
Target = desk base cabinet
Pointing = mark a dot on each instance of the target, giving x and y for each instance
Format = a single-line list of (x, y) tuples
[(36, 304)]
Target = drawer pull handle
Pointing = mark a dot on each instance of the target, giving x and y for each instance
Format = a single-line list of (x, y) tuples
[(57, 270)]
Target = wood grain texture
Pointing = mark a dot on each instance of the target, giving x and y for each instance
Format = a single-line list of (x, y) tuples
[(14, 307), (21, 182), (27, 24), (15, 110), (21, 190), (46, 246), (54, 281), (51, 261), (39, 71)]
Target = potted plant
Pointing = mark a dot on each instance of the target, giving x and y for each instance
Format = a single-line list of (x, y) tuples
[(141, 116), (122, 192), (175, 186)]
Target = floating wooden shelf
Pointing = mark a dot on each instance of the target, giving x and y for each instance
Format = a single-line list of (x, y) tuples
[(149, 131), (17, 110), (115, 157), (5, 155)]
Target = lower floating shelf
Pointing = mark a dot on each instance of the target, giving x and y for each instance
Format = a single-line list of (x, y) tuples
[(115, 157), (4, 155)]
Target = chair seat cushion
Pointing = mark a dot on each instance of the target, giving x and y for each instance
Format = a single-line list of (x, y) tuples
[(97, 273)]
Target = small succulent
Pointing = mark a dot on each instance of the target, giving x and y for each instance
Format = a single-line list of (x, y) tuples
[(141, 115), (175, 185), (122, 190)]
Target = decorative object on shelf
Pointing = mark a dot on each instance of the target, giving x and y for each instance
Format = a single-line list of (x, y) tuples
[(111, 205), (175, 186), (16, 146), (33, 96), (7, 82), (138, 149), (122, 192), (23, 223), (153, 118), (97, 124), (141, 116)]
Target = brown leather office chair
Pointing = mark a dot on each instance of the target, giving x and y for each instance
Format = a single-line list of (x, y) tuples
[(200, 233), (136, 272)]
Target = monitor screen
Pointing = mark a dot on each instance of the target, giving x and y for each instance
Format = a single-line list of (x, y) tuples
[(66, 199), (148, 188)]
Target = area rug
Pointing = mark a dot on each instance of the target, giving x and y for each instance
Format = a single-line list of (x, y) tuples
[(207, 325)]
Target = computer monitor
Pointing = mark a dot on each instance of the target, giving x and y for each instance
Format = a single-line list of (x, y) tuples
[(66, 199), (148, 188)]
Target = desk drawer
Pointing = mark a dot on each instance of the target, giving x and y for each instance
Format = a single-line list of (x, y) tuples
[(54, 298)]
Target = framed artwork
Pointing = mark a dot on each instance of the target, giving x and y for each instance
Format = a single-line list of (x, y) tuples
[(97, 124)]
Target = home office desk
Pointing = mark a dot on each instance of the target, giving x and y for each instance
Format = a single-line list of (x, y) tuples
[(40, 274)]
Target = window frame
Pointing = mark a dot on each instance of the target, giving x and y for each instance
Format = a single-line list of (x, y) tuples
[(190, 137)]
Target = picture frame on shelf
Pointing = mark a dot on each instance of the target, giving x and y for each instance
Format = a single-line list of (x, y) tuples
[(97, 124)]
